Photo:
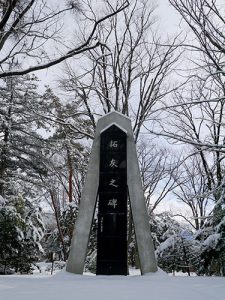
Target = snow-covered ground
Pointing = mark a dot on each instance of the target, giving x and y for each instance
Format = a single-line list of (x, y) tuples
[(65, 286)]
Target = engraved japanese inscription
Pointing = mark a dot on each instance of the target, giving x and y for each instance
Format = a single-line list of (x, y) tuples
[(112, 205)]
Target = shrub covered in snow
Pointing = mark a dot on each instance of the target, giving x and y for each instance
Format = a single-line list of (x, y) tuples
[(21, 232), (176, 249)]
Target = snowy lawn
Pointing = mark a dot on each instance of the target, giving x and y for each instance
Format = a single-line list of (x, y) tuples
[(64, 286)]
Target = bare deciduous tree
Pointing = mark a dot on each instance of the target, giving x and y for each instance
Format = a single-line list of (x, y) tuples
[(192, 190), (131, 73), (195, 114), (158, 170), (30, 33), (206, 21)]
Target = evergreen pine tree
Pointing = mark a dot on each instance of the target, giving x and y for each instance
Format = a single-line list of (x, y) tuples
[(21, 232)]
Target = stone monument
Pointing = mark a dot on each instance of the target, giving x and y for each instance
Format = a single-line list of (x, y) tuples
[(113, 175)]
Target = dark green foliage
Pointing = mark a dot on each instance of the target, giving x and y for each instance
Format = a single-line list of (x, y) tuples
[(9, 237), (67, 219), (52, 243), (20, 235), (212, 237)]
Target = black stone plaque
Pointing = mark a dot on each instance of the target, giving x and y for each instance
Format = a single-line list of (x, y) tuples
[(112, 206)]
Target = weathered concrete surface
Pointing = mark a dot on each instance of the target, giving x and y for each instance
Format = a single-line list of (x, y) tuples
[(139, 212), (82, 227), (89, 195)]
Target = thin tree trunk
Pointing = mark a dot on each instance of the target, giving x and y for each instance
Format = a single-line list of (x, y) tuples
[(58, 225), (70, 178)]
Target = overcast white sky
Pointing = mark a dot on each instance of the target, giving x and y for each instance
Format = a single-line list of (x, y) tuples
[(168, 25), (169, 18)]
